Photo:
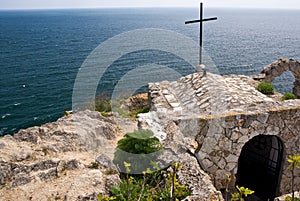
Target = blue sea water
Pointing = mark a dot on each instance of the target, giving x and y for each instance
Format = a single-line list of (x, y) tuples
[(41, 51)]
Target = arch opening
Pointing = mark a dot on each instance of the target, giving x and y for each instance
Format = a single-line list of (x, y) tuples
[(260, 166), (285, 82)]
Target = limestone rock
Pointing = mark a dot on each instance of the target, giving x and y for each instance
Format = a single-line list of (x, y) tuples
[(190, 174), (136, 102), (52, 162)]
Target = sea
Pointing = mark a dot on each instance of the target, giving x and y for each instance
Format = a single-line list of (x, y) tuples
[(42, 51)]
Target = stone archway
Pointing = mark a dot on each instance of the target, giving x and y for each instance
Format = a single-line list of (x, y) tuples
[(260, 166), (276, 68)]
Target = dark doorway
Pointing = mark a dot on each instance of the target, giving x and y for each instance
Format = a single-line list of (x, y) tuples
[(260, 166)]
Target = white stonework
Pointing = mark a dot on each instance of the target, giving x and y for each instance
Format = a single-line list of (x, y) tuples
[(222, 113)]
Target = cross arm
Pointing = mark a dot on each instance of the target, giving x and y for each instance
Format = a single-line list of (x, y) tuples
[(195, 21)]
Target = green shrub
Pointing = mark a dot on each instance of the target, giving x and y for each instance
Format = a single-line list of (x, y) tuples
[(288, 198), (242, 192), (152, 186), (265, 88), (288, 96), (139, 149), (134, 114), (94, 165), (103, 104), (294, 161)]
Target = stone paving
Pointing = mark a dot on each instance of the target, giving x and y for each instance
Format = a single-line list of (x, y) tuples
[(212, 95)]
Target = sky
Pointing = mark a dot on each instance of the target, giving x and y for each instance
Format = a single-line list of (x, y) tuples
[(51, 4)]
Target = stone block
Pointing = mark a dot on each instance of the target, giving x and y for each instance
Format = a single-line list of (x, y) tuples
[(222, 163), (272, 130), (207, 163), (235, 136), (243, 139), (231, 159), (263, 118), (209, 144), (225, 144), (231, 167)]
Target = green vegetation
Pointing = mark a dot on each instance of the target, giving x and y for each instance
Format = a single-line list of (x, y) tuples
[(134, 113), (239, 195), (153, 183), (288, 96), (290, 199), (242, 192), (103, 104), (139, 148), (265, 88), (94, 165), (152, 186), (228, 180), (294, 162)]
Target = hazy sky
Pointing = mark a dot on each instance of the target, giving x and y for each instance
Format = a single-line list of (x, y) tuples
[(38, 4)]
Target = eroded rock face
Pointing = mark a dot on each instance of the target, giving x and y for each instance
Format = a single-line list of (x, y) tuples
[(53, 161), (136, 102), (179, 147)]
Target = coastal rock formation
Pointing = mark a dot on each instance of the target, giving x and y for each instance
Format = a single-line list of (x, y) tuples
[(275, 69), (178, 147), (204, 122), (71, 159), (135, 102), (55, 161)]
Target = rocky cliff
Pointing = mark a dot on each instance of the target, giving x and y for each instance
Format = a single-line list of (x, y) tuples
[(57, 161), (71, 159)]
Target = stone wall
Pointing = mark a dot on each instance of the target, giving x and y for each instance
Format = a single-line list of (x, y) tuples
[(220, 140), (223, 113)]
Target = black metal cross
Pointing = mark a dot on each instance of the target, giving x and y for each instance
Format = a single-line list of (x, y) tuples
[(201, 28)]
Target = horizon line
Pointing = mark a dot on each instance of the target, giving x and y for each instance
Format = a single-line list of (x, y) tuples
[(145, 7)]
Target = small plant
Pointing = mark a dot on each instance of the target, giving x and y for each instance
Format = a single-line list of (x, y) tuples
[(94, 165), (294, 162), (228, 180), (174, 187), (288, 96), (288, 198), (242, 192), (105, 198), (152, 186), (103, 104), (134, 113), (139, 148), (265, 88)]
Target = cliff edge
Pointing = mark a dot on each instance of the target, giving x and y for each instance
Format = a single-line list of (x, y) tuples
[(56, 161)]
